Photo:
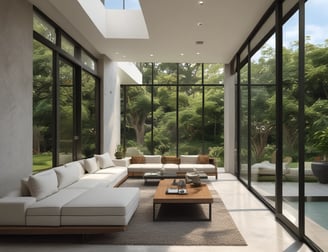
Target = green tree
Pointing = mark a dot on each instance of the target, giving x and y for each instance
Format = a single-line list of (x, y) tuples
[(138, 108)]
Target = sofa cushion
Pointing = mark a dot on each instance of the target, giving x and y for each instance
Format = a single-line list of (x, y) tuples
[(47, 212), (170, 168), (90, 165), (145, 167), (111, 206), (198, 167), (203, 159), (119, 174), (43, 184), (79, 165), (137, 160), (188, 159), (104, 160), (153, 159), (67, 175)]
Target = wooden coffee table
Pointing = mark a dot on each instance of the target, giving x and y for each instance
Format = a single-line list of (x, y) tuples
[(195, 195)]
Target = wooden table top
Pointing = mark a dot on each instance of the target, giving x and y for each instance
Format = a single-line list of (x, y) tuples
[(197, 195)]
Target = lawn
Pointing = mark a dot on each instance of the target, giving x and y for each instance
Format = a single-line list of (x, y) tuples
[(42, 161)]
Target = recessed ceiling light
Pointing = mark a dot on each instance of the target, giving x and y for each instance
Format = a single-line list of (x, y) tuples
[(200, 2), (199, 24), (151, 55), (181, 54), (198, 53)]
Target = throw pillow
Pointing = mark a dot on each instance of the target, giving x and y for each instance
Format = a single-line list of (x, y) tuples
[(104, 160), (67, 175), (170, 160), (43, 184), (203, 159), (188, 159), (24, 190), (137, 160), (90, 165), (153, 159)]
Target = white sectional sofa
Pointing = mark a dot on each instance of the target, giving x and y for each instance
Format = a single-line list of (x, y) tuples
[(139, 165), (78, 197)]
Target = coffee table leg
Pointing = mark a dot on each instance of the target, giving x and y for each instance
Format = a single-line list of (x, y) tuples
[(210, 212), (154, 209)]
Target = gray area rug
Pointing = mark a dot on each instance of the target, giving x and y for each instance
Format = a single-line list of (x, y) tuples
[(175, 227)]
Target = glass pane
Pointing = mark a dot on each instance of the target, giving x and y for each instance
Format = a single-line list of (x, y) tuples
[(290, 120), (88, 115), (213, 73), (42, 107), (244, 123), (66, 101), (122, 4), (165, 114), (146, 69), (67, 45), (213, 126), (190, 120), (263, 64), (44, 28), (316, 113), (138, 119), (165, 73), (87, 60), (190, 73), (263, 144)]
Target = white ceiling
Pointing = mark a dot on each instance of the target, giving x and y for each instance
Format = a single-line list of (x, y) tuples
[(172, 28)]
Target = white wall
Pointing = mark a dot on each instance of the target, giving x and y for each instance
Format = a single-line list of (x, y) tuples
[(16, 49), (229, 120), (110, 106)]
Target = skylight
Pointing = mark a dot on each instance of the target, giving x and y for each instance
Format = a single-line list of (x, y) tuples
[(116, 23), (122, 4)]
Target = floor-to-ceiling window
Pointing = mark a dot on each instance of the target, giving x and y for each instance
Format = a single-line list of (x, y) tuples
[(66, 108), (316, 118), (262, 120), (42, 106), (282, 117), (243, 112), (178, 110), (89, 115), (65, 97), (290, 104)]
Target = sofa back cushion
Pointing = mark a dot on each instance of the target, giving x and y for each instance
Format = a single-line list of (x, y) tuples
[(153, 159), (137, 160), (104, 161), (67, 175), (90, 165), (203, 159), (43, 184), (188, 159), (79, 165)]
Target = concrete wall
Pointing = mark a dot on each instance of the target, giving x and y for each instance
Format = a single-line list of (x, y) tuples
[(110, 106), (229, 120), (16, 49)]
